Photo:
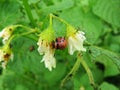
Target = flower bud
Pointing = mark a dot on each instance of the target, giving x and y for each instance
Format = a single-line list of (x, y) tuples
[(6, 33)]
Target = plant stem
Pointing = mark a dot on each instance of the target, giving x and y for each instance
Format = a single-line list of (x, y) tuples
[(72, 72), (18, 35), (89, 73), (8, 42), (63, 21), (26, 33), (50, 22), (25, 27), (87, 43), (28, 11)]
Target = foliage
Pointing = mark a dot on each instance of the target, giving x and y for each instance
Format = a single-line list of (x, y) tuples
[(98, 19)]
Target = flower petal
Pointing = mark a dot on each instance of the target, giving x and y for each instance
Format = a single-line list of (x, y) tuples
[(49, 60), (71, 48), (48, 57), (75, 42)]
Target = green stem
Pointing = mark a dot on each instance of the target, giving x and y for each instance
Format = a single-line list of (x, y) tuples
[(89, 73), (63, 21), (18, 35), (87, 44), (26, 33), (28, 10), (25, 27), (30, 30), (50, 20), (72, 72), (8, 42)]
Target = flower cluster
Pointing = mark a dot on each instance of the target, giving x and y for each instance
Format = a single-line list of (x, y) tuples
[(5, 50), (74, 40), (47, 43)]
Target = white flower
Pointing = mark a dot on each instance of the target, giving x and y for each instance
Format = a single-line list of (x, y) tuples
[(45, 47), (48, 58), (5, 56), (6, 33), (75, 42)]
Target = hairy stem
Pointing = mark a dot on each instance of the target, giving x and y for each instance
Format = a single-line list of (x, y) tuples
[(63, 21), (89, 73), (72, 72)]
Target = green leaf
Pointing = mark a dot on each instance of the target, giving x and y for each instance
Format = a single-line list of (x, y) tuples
[(93, 27), (114, 43), (70, 16), (9, 13), (11, 81), (107, 86), (110, 69), (108, 10), (64, 4), (96, 51)]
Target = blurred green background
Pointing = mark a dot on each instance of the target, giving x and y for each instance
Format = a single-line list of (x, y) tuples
[(99, 19)]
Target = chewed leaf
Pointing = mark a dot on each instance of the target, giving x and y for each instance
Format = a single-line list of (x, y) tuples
[(96, 51)]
